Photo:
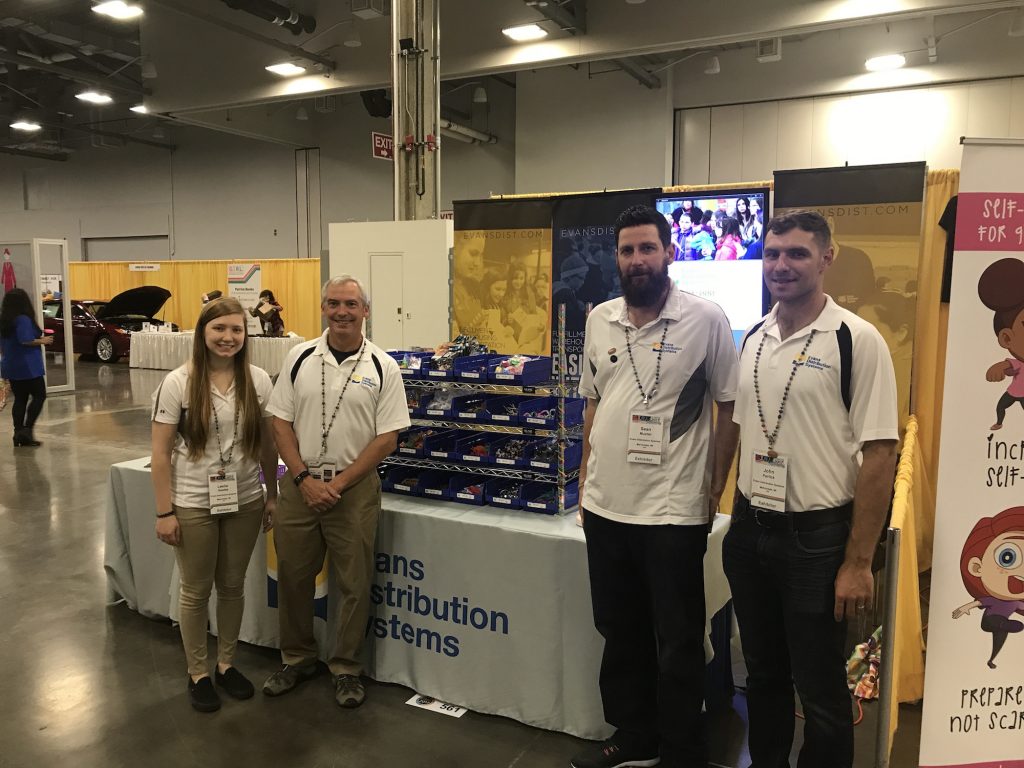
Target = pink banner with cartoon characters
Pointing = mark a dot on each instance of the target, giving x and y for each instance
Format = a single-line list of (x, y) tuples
[(974, 678)]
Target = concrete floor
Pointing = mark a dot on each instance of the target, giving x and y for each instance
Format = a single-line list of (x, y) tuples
[(87, 684)]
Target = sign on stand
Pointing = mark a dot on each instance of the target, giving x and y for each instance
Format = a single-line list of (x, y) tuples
[(974, 677), (383, 146), (245, 284)]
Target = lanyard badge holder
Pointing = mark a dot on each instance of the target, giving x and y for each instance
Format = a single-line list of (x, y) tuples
[(223, 485), (646, 432), (323, 469), (769, 472)]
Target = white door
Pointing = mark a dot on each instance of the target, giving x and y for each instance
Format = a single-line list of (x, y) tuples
[(387, 327)]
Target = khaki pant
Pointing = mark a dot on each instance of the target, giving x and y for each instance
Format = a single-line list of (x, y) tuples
[(214, 549), (302, 538)]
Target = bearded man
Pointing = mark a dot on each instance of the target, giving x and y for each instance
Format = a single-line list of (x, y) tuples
[(653, 472)]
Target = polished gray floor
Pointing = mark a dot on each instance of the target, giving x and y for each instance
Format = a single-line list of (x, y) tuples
[(86, 684)]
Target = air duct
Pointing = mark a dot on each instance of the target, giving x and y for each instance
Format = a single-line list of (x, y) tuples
[(295, 22)]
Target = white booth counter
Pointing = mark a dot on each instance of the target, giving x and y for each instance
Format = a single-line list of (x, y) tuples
[(477, 606)]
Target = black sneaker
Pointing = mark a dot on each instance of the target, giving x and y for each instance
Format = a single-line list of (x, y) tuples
[(349, 691), (612, 754), (235, 683), (202, 695), (286, 678)]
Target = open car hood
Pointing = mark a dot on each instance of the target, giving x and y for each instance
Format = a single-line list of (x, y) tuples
[(145, 300)]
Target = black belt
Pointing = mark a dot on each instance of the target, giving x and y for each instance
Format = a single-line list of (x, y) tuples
[(790, 521)]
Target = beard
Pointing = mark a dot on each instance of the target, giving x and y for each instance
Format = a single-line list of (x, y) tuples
[(642, 287)]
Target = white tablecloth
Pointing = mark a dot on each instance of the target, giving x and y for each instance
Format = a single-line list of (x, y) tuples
[(521, 576), (166, 351)]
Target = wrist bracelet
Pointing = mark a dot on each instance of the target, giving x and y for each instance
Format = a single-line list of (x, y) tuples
[(165, 514), (301, 476)]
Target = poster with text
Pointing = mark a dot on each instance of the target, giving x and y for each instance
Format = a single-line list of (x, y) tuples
[(584, 271), (245, 284), (974, 677), (875, 213), (501, 286)]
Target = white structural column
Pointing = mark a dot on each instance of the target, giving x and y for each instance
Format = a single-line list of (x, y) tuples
[(415, 77)]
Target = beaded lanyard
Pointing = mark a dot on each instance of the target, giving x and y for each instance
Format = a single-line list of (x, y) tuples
[(325, 428), (234, 436), (772, 436), (657, 370)]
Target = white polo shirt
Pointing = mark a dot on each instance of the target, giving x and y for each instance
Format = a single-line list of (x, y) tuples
[(190, 479), (698, 365), (819, 436), (374, 401)]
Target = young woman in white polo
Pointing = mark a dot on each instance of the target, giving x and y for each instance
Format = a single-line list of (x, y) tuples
[(211, 433)]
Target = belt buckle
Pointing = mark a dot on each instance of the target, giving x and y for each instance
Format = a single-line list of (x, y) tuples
[(757, 516)]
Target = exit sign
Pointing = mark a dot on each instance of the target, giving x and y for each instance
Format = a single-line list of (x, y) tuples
[(383, 146)]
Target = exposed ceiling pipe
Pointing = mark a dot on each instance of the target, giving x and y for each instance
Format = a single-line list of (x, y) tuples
[(478, 137), (294, 50), (295, 22), (60, 156)]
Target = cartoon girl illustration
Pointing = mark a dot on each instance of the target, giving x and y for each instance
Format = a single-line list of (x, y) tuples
[(992, 567), (1001, 289)]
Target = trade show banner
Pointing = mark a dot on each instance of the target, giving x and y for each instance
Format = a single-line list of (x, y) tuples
[(583, 265), (974, 678), (875, 214), (245, 284), (501, 290)]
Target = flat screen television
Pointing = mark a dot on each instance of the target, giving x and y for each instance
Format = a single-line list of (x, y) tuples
[(718, 240)]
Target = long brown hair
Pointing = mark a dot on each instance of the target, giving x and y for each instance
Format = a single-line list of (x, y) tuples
[(197, 419)]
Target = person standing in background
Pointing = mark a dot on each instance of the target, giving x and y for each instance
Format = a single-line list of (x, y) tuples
[(269, 313), (211, 434), (21, 363)]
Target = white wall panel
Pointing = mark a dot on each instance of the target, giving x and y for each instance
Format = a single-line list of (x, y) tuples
[(726, 145), (1017, 107), (988, 109), (693, 137), (943, 150), (796, 124), (829, 132), (760, 141)]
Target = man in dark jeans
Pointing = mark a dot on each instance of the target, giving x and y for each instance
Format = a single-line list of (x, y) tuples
[(816, 406), (655, 359)]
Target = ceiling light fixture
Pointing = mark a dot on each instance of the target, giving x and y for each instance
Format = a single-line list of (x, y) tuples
[(148, 69), (29, 126), (479, 95), (301, 114), (713, 67), (142, 109), (286, 69), (885, 63), (524, 33), (118, 9), (94, 97), (1017, 24)]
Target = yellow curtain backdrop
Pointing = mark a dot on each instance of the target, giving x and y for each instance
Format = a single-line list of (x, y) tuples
[(930, 354), (908, 637), (295, 283)]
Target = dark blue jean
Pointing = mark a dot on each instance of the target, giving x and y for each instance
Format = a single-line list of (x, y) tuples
[(783, 591), (647, 587)]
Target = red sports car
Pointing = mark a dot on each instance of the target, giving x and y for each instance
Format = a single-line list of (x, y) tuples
[(103, 328)]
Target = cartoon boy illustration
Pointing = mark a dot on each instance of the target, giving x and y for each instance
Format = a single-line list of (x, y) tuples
[(992, 567), (1001, 289)]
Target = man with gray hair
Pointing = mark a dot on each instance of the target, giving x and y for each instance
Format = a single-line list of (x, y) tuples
[(338, 406)]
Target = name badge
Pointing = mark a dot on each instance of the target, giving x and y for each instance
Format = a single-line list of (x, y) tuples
[(223, 493), (646, 438), (768, 481), (322, 470)]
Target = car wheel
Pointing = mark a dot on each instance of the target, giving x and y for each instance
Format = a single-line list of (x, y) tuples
[(105, 350)]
